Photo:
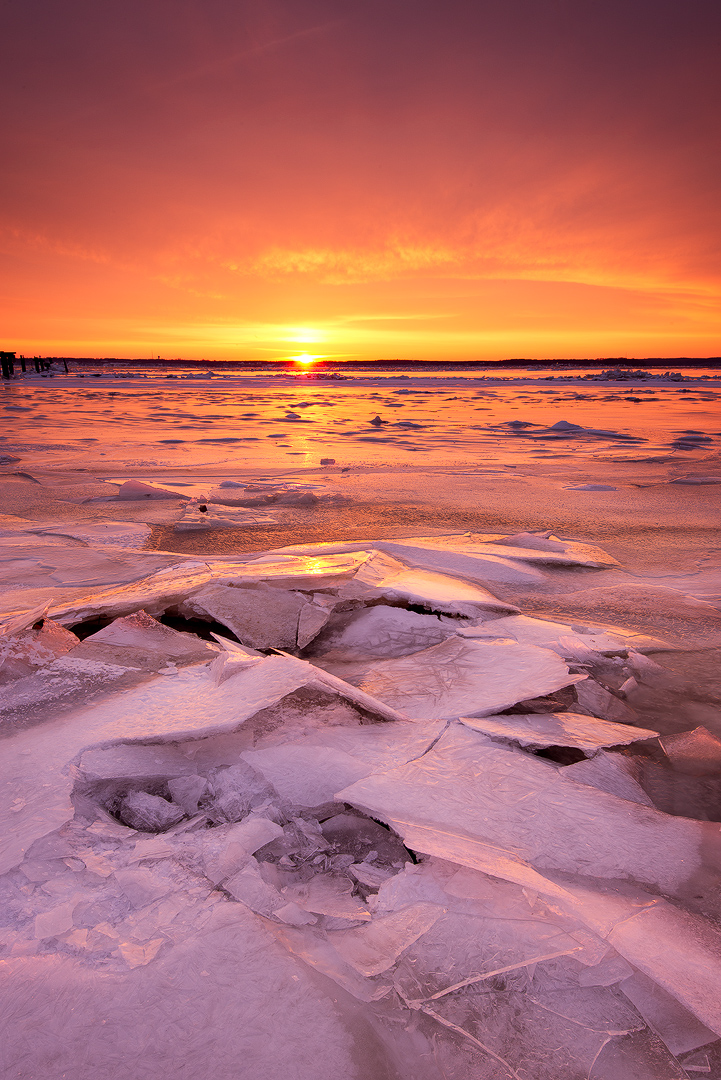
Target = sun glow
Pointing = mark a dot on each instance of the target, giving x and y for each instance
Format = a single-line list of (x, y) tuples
[(304, 335), (305, 359)]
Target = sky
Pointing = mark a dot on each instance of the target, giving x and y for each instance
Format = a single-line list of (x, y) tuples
[(456, 180)]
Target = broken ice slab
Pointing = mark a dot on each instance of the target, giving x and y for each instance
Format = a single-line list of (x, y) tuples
[(137, 490), (293, 915), (314, 949), (233, 791), (539, 548), (35, 568), (15, 624), (679, 951), (373, 948), (547, 545), (558, 729), (199, 516), (225, 850), (367, 874), (614, 773), (311, 768), (149, 813), (68, 682), (695, 753), (468, 787), (460, 677), (172, 584), (489, 926), (328, 894), (121, 655), (382, 632), (680, 1030), (466, 561), (307, 775), (311, 620), (381, 575), (26, 650), (142, 631), (610, 971), (561, 637), (35, 785), (250, 889), (260, 617), (135, 761), (596, 700), (186, 791)]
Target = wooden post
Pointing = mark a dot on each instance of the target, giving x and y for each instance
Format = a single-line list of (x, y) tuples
[(22, 363)]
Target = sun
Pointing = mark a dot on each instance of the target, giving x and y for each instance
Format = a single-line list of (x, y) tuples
[(305, 359)]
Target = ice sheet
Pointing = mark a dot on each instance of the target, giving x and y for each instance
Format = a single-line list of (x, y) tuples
[(469, 787), (460, 677), (227, 994), (383, 632), (558, 729), (261, 617), (23, 652), (390, 578), (200, 516), (613, 773), (310, 770)]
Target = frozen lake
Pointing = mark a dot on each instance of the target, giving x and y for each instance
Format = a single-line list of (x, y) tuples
[(404, 766)]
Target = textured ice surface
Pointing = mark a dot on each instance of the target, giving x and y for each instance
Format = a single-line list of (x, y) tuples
[(136, 489), (505, 947), (560, 637), (261, 617), (33, 777), (123, 534), (613, 773), (469, 787), (199, 516), (310, 770), (460, 677), (31, 648), (696, 753), (383, 632), (558, 729), (596, 700), (390, 578), (226, 994)]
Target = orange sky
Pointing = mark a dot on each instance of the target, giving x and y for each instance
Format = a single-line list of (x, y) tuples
[(383, 178)]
